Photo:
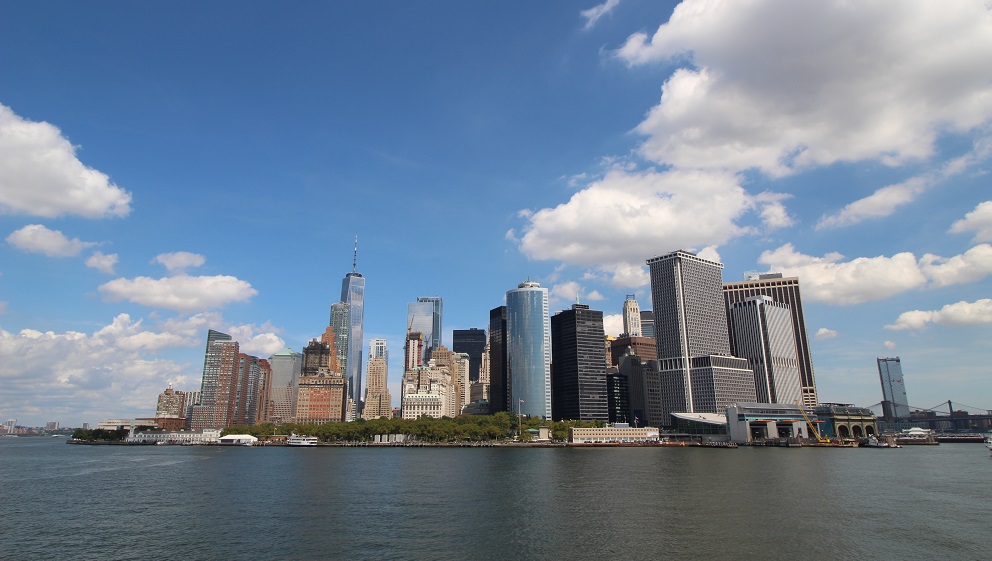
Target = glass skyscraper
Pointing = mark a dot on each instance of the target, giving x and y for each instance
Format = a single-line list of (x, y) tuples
[(436, 306), (528, 353), (895, 404)]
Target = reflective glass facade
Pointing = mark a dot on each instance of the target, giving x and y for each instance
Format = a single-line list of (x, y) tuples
[(528, 327), (353, 294)]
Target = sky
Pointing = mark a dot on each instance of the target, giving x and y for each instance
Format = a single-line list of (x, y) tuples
[(166, 169)]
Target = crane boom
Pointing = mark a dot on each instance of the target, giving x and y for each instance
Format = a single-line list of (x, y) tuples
[(816, 433)]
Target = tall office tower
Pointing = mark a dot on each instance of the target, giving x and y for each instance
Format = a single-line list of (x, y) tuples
[(785, 291), (895, 404), (631, 317), (377, 349), (218, 388), (618, 397), (762, 331), (353, 294), (647, 323), (528, 350), (499, 391), (341, 326), (434, 340), (420, 319), (578, 365), (645, 390), (245, 406), (377, 399), (698, 374), (473, 343), (286, 366)]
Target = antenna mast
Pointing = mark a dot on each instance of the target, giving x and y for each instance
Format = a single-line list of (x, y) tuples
[(354, 261)]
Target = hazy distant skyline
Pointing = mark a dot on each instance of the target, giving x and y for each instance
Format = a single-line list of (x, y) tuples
[(166, 170)]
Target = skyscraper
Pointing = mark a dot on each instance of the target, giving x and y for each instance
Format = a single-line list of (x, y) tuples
[(219, 385), (377, 349), (285, 366), (420, 319), (377, 398), (895, 404), (340, 324), (698, 373), (353, 294), (647, 323), (499, 392), (473, 343), (762, 331), (631, 317), (785, 291), (434, 340), (528, 351), (578, 366)]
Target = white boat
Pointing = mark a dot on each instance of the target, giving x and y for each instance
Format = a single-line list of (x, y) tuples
[(988, 443), (301, 440)]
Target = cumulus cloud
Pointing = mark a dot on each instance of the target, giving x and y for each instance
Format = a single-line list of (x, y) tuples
[(783, 86), (890, 344), (961, 313), (773, 213), (565, 291), (613, 324), (101, 262), (978, 221), (972, 265), (593, 14), (181, 293), (626, 216), (76, 377), (40, 174), (259, 340), (824, 333), (35, 238), (179, 261), (831, 279)]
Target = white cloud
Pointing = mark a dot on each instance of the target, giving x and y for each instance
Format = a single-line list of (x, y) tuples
[(77, 377), (179, 261), (829, 279), (709, 253), (824, 333), (565, 291), (773, 213), (257, 340), (974, 264), (36, 238), (978, 221), (595, 296), (101, 262), (182, 293), (41, 176), (593, 14), (613, 324), (626, 216), (783, 86), (880, 203), (954, 315), (890, 344)]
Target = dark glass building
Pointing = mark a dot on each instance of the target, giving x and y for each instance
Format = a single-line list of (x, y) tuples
[(497, 361), (618, 398), (473, 343), (578, 365)]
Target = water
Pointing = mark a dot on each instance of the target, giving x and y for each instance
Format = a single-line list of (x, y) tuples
[(170, 502)]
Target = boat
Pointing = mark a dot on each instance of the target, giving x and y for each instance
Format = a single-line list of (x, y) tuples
[(988, 443), (874, 442), (301, 440)]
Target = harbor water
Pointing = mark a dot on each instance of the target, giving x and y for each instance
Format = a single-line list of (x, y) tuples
[(173, 502)]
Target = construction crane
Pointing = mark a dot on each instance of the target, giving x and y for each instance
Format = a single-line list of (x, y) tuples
[(819, 438)]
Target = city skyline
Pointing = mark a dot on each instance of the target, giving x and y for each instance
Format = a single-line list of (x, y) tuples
[(154, 188)]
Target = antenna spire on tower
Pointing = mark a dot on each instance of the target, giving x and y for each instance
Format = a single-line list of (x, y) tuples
[(354, 261)]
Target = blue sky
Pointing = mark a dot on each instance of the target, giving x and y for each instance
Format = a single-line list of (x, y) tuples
[(165, 169)]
